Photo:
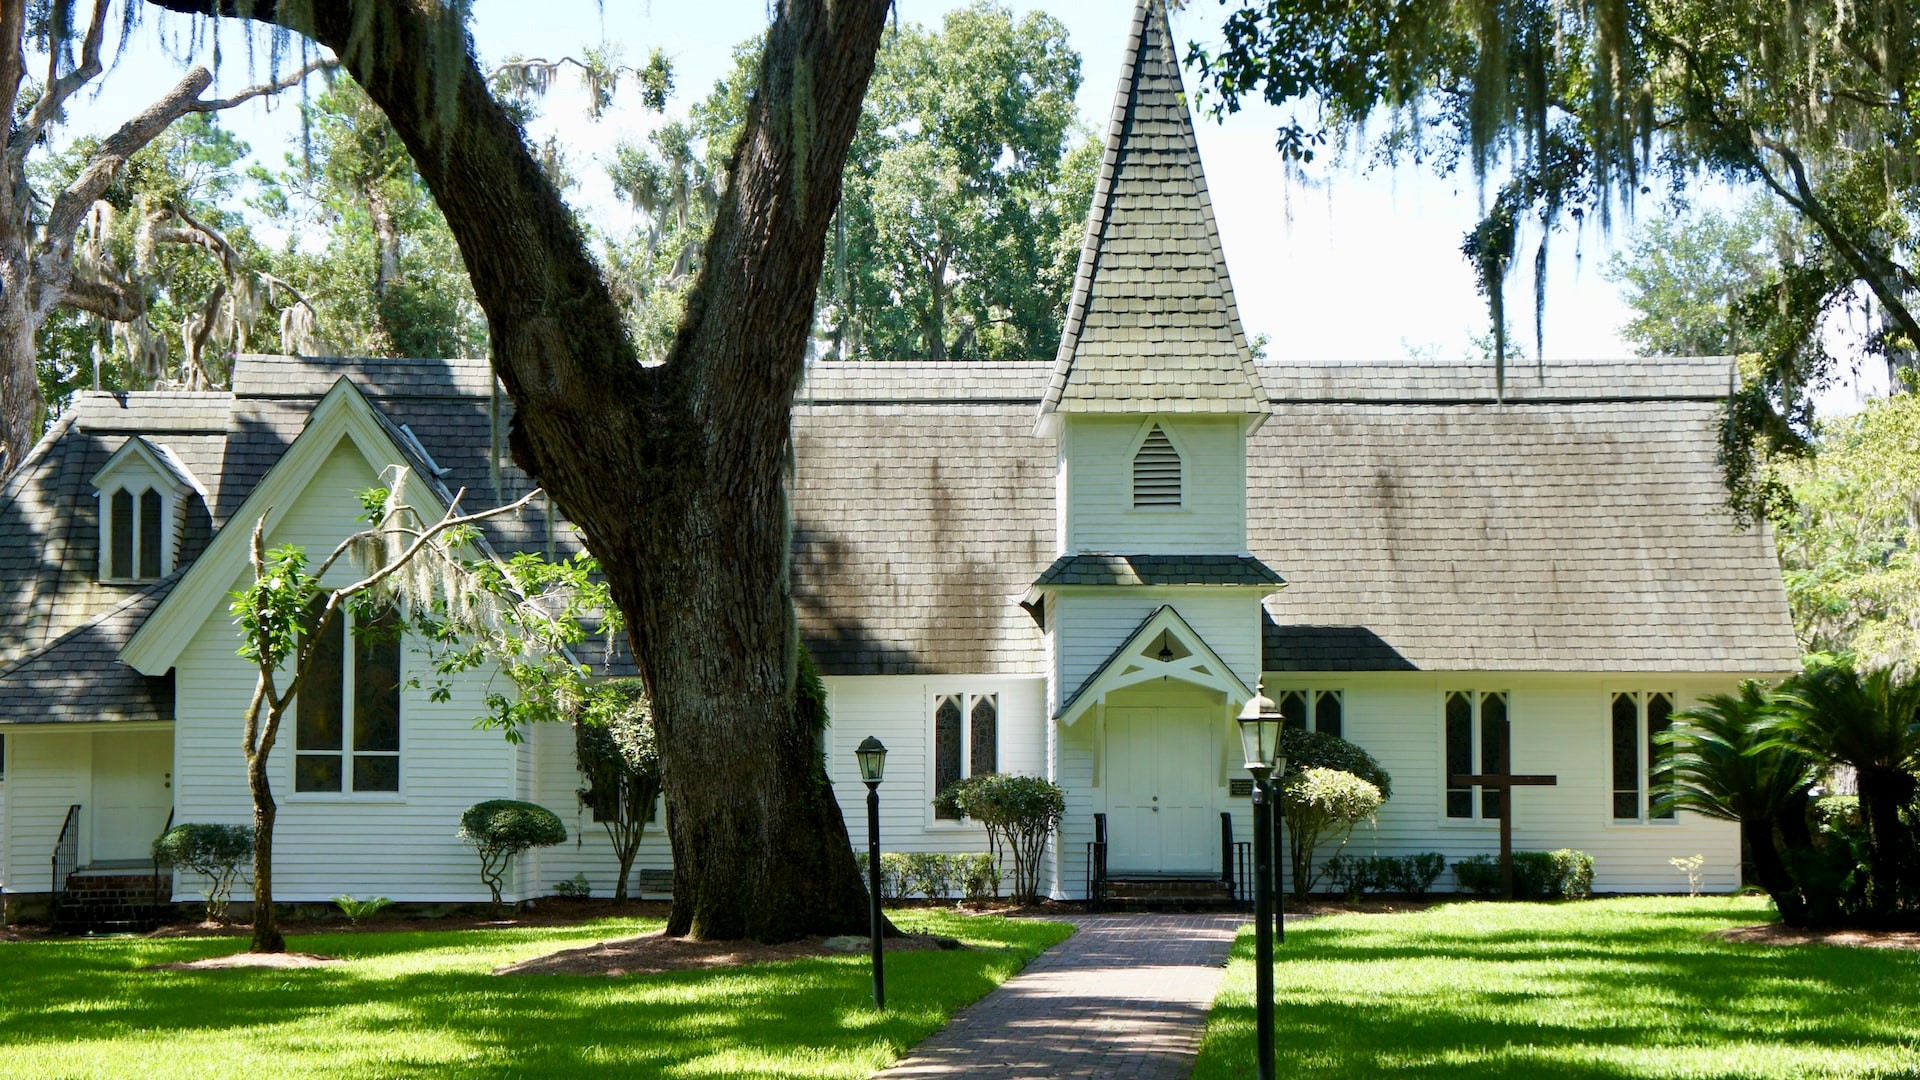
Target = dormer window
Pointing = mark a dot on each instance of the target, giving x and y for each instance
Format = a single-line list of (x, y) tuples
[(143, 491), (135, 531), (1156, 472)]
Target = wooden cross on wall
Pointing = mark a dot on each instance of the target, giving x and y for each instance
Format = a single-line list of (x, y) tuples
[(1504, 783)]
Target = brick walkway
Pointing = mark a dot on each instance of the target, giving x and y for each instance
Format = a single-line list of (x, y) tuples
[(1125, 996)]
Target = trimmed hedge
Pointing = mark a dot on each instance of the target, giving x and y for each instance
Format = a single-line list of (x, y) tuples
[(499, 829), (1413, 875), (1565, 874), (936, 875)]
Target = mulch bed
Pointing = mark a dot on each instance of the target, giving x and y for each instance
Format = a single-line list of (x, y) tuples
[(1782, 934), (651, 954)]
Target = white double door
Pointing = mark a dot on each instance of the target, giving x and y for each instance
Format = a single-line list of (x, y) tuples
[(1160, 783)]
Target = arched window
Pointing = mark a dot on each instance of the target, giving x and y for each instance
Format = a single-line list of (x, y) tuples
[(134, 536), (1156, 471)]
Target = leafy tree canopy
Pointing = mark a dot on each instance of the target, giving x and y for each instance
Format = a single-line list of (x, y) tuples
[(1570, 112)]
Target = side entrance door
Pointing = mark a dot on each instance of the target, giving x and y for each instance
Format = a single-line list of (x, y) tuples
[(1160, 765), (132, 792)]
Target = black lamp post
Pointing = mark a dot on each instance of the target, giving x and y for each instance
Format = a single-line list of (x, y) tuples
[(1260, 743), (873, 766)]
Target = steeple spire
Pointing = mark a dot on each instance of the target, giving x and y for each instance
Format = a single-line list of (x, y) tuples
[(1152, 326)]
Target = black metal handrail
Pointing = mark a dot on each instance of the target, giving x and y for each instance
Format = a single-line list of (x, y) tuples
[(1226, 850), (1242, 883), (1097, 865), (158, 899), (66, 859)]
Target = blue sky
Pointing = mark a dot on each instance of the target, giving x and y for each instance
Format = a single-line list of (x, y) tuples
[(1361, 266)]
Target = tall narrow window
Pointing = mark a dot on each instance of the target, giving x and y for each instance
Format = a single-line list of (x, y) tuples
[(1479, 739), (120, 534), (1310, 710), (150, 534), (966, 740), (1641, 771), (347, 717), (1156, 471)]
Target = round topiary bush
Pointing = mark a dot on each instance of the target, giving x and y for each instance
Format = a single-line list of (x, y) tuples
[(215, 852), (499, 829)]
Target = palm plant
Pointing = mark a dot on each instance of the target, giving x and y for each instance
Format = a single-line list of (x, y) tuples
[(1727, 765), (1871, 722)]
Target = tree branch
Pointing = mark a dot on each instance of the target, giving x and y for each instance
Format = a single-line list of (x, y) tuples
[(264, 89), (59, 87), (115, 301)]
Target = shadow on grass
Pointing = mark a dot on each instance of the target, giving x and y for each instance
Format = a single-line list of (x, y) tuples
[(1605, 989), (426, 1004)]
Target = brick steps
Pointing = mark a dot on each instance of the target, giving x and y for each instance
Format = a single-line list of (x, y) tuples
[(114, 902), (1166, 893)]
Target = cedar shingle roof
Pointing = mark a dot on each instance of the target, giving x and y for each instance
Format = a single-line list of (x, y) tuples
[(1152, 325)]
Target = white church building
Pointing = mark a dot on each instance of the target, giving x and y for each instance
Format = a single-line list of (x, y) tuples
[(1080, 569)]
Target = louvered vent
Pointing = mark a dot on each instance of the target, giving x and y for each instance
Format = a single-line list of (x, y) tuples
[(1156, 471)]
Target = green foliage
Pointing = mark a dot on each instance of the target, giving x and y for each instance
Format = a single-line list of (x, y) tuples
[(576, 887), (388, 280), (1413, 875), (1321, 806), (931, 874), (1848, 533), (1019, 813), (1537, 875), (1687, 277), (1320, 750), (215, 852), (499, 829), (980, 877), (1573, 111), (962, 209), (617, 754), (358, 911)]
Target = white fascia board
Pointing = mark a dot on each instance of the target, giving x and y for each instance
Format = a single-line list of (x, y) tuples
[(343, 413), (158, 459)]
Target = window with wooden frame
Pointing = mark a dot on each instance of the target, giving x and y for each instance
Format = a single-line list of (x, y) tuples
[(966, 740), (1156, 472), (347, 715), (1479, 739), (132, 535), (1312, 710), (1641, 763)]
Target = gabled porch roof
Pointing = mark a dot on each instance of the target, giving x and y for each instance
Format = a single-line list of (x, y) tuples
[(1163, 646)]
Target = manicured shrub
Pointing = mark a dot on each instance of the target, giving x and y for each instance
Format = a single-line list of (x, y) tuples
[(1353, 875), (1415, 874), (931, 874), (357, 910), (1019, 813), (1565, 874), (980, 877), (215, 852), (499, 829), (1320, 750), (1322, 806)]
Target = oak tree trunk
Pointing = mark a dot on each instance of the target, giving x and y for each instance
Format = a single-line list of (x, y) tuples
[(675, 474)]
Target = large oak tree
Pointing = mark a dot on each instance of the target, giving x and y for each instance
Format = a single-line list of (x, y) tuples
[(676, 472)]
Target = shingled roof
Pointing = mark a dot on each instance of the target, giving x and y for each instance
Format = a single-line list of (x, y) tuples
[(1152, 325), (1579, 527)]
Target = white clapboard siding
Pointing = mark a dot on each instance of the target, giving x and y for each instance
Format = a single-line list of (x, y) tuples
[(1099, 455), (1560, 727), (588, 851), (1089, 625), (48, 770), (402, 846), (897, 709)]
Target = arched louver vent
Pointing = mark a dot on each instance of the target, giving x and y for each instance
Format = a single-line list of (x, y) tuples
[(1156, 471)]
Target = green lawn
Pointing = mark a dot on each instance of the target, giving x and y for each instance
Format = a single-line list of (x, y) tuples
[(1604, 988), (423, 1004)]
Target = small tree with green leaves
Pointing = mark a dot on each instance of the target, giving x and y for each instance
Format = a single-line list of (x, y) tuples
[(284, 614), (215, 852), (1019, 813), (1322, 806), (1307, 824), (616, 753), (499, 829)]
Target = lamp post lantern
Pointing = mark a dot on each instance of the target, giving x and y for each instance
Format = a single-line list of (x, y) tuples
[(1260, 723), (872, 755)]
